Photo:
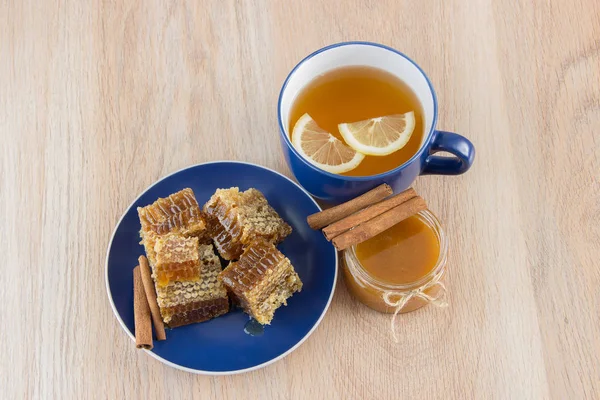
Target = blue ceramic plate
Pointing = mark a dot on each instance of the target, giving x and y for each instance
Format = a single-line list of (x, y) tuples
[(220, 346)]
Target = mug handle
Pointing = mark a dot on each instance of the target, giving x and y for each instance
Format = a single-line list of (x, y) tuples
[(462, 149)]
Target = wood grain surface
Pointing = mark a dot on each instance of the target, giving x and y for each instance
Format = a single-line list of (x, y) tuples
[(98, 99)]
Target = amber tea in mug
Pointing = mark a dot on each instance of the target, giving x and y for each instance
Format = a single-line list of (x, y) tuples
[(356, 93)]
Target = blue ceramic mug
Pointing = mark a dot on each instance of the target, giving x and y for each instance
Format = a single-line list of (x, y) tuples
[(337, 188)]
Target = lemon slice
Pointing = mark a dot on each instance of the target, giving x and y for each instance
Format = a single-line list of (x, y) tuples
[(379, 136), (322, 149)]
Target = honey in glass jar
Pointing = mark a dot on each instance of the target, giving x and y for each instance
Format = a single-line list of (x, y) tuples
[(401, 269)]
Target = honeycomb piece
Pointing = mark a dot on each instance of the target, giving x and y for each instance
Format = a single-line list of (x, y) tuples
[(227, 247), (199, 312), (183, 303), (176, 259), (178, 213), (262, 280), (237, 218)]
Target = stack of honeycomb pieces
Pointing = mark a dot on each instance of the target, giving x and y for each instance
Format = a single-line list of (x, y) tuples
[(190, 285), (188, 301), (244, 226), (184, 267)]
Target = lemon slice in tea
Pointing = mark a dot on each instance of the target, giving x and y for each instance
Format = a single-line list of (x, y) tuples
[(379, 136), (322, 149)]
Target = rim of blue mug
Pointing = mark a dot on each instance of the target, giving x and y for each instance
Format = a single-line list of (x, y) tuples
[(356, 178)]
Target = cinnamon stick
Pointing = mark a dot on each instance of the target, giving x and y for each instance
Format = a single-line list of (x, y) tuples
[(159, 326), (141, 313), (326, 217), (379, 224), (341, 226)]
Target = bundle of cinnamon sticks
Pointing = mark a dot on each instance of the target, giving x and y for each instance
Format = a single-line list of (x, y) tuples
[(145, 307), (367, 215)]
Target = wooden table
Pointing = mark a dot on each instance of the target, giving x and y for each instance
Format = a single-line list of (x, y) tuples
[(99, 99)]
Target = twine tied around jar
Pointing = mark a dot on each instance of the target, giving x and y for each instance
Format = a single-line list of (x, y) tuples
[(404, 298)]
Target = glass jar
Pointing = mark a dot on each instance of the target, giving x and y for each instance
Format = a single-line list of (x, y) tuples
[(395, 298)]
